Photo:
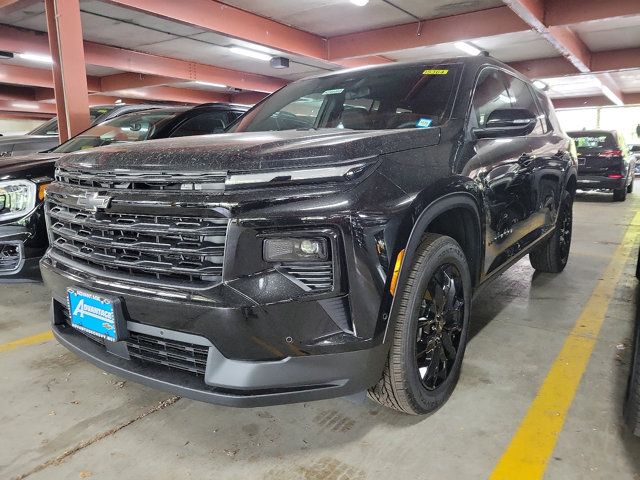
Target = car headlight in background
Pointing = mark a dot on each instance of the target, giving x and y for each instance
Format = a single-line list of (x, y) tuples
[(295, 249), (17, 198)]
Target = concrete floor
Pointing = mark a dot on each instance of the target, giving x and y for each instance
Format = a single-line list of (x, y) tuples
[(62, 418)]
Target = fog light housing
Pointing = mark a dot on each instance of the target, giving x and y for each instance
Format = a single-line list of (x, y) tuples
[(295, 249)]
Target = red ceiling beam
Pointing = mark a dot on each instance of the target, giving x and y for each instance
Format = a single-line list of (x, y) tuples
[(567, 12), (120, 81), (179, 95), (545, 67), (25, 106), (613, 60), (467, 26), (18, 40), (36, 77), (562, 38)]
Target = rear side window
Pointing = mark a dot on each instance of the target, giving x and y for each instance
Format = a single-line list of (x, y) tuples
[(490, 94), (594, 140), (521, 97)]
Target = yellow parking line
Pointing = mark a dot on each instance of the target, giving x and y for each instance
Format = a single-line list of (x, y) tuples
[(527, 455), (23, 342)]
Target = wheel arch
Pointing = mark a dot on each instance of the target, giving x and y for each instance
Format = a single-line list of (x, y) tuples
[(461, 206)]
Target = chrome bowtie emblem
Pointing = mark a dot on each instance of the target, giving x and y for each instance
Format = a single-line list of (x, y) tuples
[(93, 201)]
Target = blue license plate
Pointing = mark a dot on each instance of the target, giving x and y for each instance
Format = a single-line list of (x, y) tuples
[(93, 314)]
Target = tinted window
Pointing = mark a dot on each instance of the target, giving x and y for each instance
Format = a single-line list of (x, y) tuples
[(202, 124), (593, 140), (132, 127), (490, 94), (407, 97), (51, 127), (521, 97)]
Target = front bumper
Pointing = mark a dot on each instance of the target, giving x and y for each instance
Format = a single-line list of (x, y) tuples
[(20, 251), (224, 381), (594, 182)]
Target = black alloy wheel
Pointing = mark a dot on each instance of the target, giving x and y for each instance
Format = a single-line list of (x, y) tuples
[(440, 322)]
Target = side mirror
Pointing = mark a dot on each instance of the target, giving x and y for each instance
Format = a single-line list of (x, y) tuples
[(507, 122)]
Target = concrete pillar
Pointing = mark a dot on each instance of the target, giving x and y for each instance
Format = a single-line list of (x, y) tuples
[(69, 72)]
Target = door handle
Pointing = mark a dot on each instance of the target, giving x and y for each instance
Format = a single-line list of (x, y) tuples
[(525, 160)]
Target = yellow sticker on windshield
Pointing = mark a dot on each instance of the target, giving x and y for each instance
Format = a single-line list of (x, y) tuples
[(435, 72)]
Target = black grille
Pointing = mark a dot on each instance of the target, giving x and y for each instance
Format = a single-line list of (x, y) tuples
[(169, 353), (184, 356), (315, 276), (10, 257), (144, 180), (143, 246)]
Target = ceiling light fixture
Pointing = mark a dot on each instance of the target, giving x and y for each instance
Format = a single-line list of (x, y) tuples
[(34, 57), (251, 53), (34, 106), (360, 3), (467, 48), (208, 84)]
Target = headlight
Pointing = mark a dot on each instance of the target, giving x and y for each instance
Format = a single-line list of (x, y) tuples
[(295, 249), (17, 198)]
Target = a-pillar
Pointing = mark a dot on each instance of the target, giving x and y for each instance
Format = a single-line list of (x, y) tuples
[(69, 71)]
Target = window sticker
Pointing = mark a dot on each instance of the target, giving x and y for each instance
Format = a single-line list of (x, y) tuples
[(431, 71), (335, 91), (424, 123)]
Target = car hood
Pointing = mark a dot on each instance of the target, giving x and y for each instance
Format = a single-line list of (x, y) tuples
[(26, 162), (241, 152)]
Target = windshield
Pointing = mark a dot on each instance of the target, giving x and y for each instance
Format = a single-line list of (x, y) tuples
[(133, 127), (414, 96), (50, 127)]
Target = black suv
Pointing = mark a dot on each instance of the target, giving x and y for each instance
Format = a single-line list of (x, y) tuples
[(45, 136), (604, 162), (24, 179), (330, 244)]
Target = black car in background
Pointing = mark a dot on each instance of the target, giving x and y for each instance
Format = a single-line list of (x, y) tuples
[(45, 137), (330, 243), (604, 162), (23, 180)]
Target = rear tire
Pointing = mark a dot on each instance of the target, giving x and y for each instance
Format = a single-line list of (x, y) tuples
[(553, 255), (429, 331), (620, 195), (630, 187)]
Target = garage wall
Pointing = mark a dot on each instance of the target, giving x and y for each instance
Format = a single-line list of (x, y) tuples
[(623, 119), (18, 126)]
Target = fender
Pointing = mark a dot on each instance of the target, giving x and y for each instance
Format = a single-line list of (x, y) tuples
[(431, 212)]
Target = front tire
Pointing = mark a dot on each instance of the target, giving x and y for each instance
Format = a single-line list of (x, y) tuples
[(553, 255), (429, 331)]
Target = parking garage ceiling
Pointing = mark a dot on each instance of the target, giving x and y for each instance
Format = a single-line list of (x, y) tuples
[(588, 51)]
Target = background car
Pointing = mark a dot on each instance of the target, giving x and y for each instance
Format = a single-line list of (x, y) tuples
[(604, 162), (23, 238), (45, 136)]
